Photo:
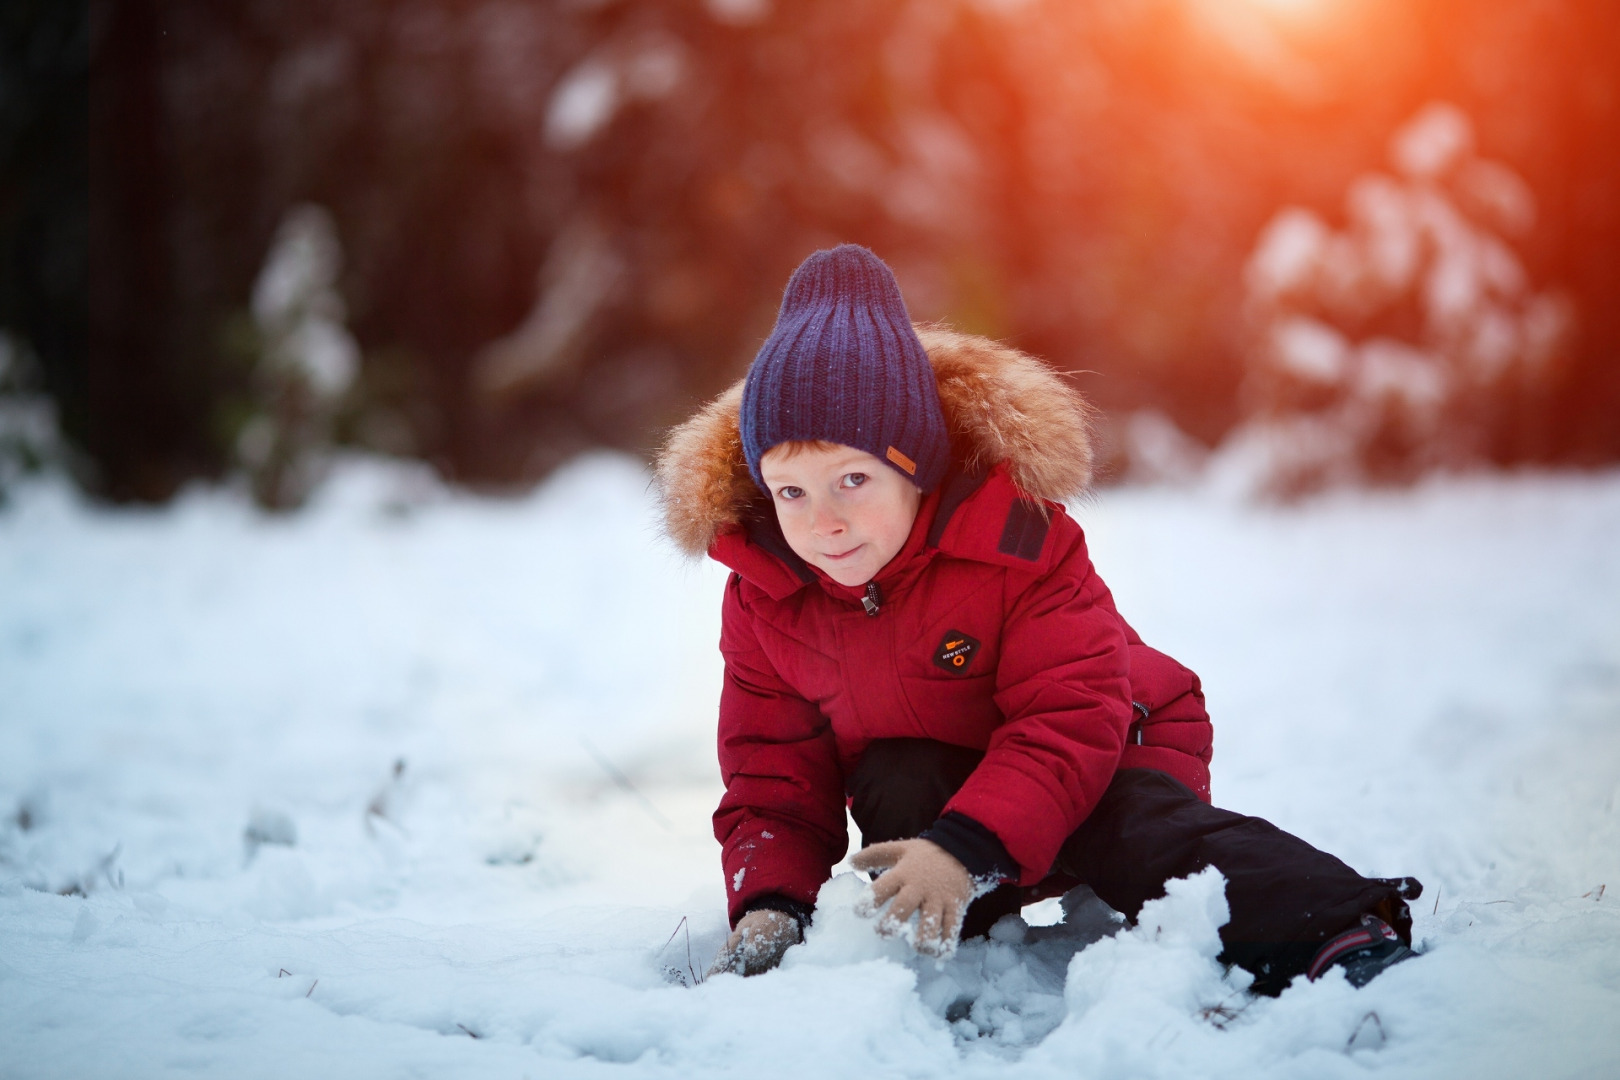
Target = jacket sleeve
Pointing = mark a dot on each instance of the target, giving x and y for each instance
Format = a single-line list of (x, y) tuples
[(781, 821), (1063, 684)]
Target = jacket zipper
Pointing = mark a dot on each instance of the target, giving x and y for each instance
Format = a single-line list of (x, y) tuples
[(873, 598), (1134, 734)]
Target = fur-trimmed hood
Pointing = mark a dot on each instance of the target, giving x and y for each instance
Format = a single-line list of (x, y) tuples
[(1000, 405)]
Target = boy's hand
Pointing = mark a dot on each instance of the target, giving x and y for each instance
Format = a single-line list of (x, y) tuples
[(757, 945), (919, 876)]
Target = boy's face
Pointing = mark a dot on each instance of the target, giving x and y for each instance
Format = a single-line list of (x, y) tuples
[(841, 509)]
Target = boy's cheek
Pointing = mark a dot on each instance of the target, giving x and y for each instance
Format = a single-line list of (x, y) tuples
[(799, 541), (792, 529)]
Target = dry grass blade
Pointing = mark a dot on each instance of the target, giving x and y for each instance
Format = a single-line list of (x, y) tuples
[(1376, 1036), (675, 974), (1221, 1014), (625, 784)]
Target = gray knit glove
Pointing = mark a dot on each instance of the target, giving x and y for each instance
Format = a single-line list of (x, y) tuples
[(759, 941)]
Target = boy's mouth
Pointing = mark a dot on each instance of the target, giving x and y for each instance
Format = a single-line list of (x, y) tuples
[(843, 555)]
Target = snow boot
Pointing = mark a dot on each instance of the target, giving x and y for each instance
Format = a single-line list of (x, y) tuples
[(1362, 951)]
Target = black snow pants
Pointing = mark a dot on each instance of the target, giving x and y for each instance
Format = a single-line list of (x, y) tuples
[(1286, 898)]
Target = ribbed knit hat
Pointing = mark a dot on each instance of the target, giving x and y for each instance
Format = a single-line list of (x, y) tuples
[(844, 365)]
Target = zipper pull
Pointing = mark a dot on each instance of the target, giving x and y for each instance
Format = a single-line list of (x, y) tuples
[(873, 598)]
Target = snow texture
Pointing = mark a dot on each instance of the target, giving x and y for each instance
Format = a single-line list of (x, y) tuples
[(418, 784)]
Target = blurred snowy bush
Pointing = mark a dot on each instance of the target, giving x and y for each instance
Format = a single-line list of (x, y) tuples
[(1404, 342), (307, 360), (29, 440)]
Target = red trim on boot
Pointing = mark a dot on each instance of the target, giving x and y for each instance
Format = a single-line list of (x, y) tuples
[(1372, 931)]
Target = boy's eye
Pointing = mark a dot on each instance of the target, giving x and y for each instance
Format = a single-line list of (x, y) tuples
[(789, 492), (854, 479)]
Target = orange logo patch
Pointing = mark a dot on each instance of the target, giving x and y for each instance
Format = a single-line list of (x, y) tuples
[(901, 460), (955, 652)]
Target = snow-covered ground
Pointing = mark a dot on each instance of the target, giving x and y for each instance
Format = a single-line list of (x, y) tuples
[(418, 784)]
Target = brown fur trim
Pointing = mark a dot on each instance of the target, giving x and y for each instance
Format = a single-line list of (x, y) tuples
[(1000, 405), (703, 479), (1003, 405)]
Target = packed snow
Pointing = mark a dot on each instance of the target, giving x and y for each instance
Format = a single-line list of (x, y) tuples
[(415, 783)]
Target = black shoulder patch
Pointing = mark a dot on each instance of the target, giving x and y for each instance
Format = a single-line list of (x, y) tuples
[(958, 485), (1025, 532)]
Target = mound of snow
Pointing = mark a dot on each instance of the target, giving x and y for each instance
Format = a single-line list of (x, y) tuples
[(416, 783)]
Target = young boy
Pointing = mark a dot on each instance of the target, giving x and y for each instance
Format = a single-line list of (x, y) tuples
[(913, 629)]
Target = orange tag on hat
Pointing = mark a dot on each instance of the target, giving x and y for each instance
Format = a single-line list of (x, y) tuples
[(901, 460)]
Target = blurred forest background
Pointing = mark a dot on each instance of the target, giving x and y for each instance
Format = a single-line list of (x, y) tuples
[(491, 233)]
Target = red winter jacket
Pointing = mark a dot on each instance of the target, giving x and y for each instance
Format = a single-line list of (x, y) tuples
[(994, 633)]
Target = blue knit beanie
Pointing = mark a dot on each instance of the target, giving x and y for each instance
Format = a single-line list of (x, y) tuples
[(844, 365)]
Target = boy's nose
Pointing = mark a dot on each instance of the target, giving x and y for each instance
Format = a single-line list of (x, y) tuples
[(827, 522)]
